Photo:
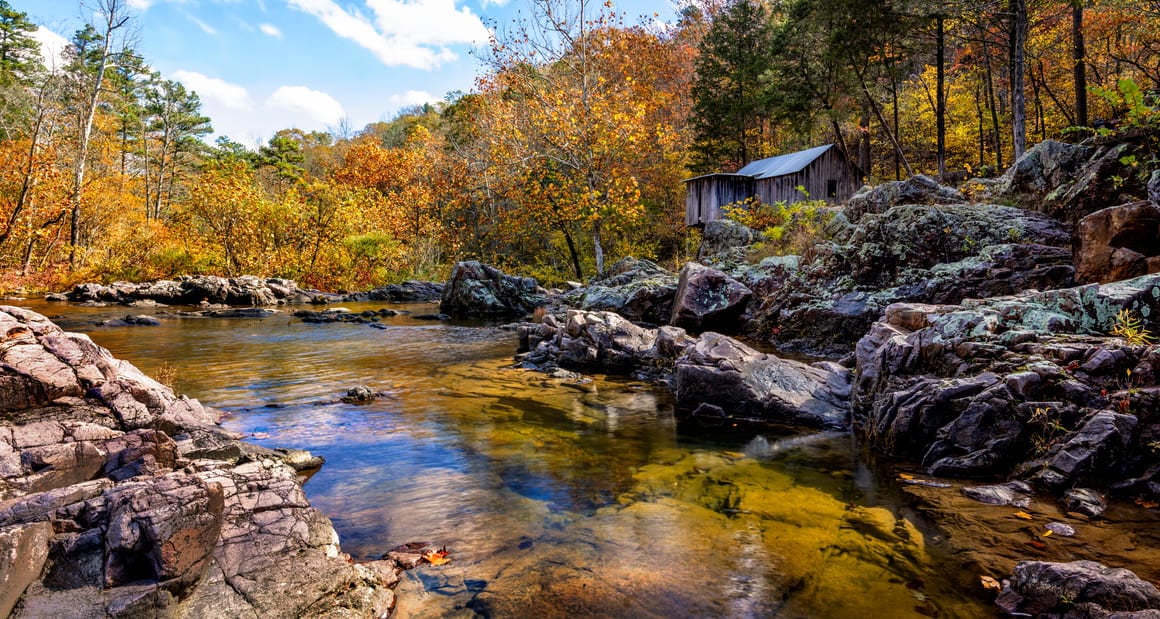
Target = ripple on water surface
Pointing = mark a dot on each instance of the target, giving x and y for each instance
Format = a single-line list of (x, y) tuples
[(555, 499)]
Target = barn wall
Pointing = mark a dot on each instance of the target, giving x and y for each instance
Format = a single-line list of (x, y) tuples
[(704, 197)]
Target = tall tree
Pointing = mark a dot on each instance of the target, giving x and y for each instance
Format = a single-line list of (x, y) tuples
[(731, 100), (175, 123), (94, 54), (1019, 25), (19, 51)]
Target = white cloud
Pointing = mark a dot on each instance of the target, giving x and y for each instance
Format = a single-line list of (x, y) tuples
[(212, 89), (412, 33), (271, 30), (51, 45), (319, 106), (141, 5), (411, 97), (206, 28)]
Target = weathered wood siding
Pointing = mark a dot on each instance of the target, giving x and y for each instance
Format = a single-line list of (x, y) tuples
[(816, 177), (705, 196)]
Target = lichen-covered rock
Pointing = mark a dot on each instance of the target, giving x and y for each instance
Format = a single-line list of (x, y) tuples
[(708, 299), (918, 189), (1078, 589), (723, 236), (639, 290), (1027, 386), (1118, 242), (476, 289), (721, 377)]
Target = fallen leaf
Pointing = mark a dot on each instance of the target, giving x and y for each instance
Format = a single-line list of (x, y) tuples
[(1047, 533), (1147, 504), (905, 476), (990, 583), (1036, 544), (1024, 516), (437, 557)]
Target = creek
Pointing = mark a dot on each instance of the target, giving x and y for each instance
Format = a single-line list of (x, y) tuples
[(555, 498)]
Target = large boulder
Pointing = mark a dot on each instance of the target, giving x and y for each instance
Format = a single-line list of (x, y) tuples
[(1118, 242), (723, 236), (479, 290), (708, 299), (602, 342), (1077, 589), (918, 189), (1154, 188), (722, 379), (639, 290), (104, 514), (1070, 181)]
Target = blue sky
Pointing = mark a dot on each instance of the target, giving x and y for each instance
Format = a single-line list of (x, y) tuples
[(264, 65)]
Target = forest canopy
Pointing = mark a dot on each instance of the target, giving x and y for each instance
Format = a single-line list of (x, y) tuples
[(569, 151)]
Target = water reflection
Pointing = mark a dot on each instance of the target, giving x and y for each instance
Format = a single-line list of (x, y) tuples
[(555, 498)]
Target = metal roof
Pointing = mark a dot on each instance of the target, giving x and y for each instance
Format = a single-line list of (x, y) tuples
[(697, 178), (783, 164)]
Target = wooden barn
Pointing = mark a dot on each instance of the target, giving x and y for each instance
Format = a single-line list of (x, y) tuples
[(824, 172)]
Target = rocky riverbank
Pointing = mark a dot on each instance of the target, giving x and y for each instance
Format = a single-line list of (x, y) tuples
[(244, 291), (974, 353), (119, 498)]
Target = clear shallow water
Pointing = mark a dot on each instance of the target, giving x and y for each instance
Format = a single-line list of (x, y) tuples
[(554, 499)]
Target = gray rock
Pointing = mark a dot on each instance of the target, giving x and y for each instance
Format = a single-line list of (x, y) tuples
[(1014, 493), (918, 189), (1154, 188), (1051, 589), (1096, 451), (721, 236), (639, 290), (707, 299), (1084, 501), (476, 289), (752, 386)]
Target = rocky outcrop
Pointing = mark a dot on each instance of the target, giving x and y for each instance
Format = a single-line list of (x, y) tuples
[(246, 291), (1071, 181), (918, 189), (118, 498), (1118, 242), (939, 253), (1079, 589), (707, 299), (719, 379), (639, 290), (478, 290), (1028, 386)]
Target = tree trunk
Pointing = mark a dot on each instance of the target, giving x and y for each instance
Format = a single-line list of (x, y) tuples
[(598, 247), (864, 152), (111, 12), (992, 105), (940, 96), (1077, 53), (1018, 42)]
